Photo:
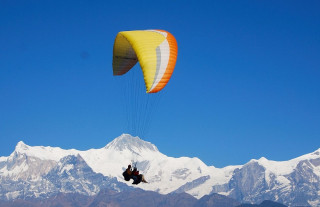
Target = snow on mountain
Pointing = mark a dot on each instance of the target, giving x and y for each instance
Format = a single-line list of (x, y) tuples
[(134, 144), (285, 167), (295, 182), (20, 166), (73, 175), (2, 159), (280, 169), (164, 174), (44, 153), (252, 182), (70, 175), (114, 158)]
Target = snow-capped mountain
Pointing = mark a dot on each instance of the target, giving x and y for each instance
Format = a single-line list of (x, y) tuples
[(70, 175), (164, 174), (42, 171), (295, 182)]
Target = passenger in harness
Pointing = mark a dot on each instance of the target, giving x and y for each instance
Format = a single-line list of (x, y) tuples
[(138, 178)]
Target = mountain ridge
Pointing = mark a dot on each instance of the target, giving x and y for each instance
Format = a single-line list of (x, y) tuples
[(252, 182)]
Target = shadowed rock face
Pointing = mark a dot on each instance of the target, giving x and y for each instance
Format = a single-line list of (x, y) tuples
[(140, 198), (264, 204), (216, 200), (134, 198), (60, 200), (193, 184), (248, 182)]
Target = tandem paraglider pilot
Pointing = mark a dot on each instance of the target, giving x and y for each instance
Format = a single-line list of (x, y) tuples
[(127, 173)]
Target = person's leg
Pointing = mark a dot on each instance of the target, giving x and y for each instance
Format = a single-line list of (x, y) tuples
[(143, 180)]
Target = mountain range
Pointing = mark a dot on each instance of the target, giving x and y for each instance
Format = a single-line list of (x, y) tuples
[(38, 172)]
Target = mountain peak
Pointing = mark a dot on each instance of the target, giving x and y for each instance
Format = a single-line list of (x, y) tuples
[(127, 141), (21, 146), (263, 159)]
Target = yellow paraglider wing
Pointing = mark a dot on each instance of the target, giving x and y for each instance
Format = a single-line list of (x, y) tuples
[(156, 51)]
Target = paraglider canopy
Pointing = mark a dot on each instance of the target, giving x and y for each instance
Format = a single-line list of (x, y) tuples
[(156, 51)]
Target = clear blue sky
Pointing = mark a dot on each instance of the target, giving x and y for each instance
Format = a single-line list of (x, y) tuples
[(246, 82)]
